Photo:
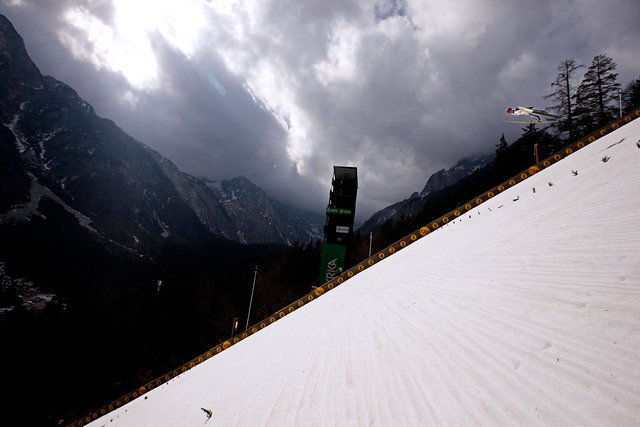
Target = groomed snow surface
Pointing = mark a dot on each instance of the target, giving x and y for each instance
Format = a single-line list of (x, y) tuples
[(522, 312)]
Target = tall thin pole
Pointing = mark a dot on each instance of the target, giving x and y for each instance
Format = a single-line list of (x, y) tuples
[(255, 274), (620, 99), (370, 239)]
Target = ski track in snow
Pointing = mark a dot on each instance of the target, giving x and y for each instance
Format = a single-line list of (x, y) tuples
[(524, 314)]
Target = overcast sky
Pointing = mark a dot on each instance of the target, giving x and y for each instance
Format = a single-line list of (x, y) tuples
[(280, 91)]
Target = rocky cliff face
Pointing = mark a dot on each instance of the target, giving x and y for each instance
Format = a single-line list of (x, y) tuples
[(445, 178), (437, 182), (259, 218)]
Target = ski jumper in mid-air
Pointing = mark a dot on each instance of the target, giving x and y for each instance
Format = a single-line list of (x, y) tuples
[(530, 111)]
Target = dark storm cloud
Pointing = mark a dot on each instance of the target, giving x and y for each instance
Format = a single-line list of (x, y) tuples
[(212, 127), (281, 91)]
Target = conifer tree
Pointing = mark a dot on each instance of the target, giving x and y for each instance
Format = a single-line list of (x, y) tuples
[(596, 93), (631, 95), (502, 146), (564, 95), (501, 162), (501, 153)]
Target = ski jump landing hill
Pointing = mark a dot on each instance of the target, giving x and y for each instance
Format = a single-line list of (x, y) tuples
[(424, 231)]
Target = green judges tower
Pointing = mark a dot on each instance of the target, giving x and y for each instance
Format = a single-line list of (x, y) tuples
[(340, 217)]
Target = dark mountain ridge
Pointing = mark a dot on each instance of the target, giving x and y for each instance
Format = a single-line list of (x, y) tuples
[(437, 182), (55, 146), (258, 217)]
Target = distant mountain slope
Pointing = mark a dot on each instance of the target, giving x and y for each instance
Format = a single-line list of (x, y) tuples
[(54, 146), (257, 217), (436, 182)]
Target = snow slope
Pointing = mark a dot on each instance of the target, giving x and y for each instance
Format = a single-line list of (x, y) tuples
[(522, 312)]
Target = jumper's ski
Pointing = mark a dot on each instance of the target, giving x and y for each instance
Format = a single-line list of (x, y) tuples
[(544, 113), (532, 121)]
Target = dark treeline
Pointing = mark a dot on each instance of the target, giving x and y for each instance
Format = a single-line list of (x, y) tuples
[(120, 322)]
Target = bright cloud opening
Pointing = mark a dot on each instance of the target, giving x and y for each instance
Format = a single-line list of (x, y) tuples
[(127, 47)]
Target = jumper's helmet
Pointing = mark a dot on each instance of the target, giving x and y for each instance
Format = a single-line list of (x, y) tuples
[(509, 110)]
